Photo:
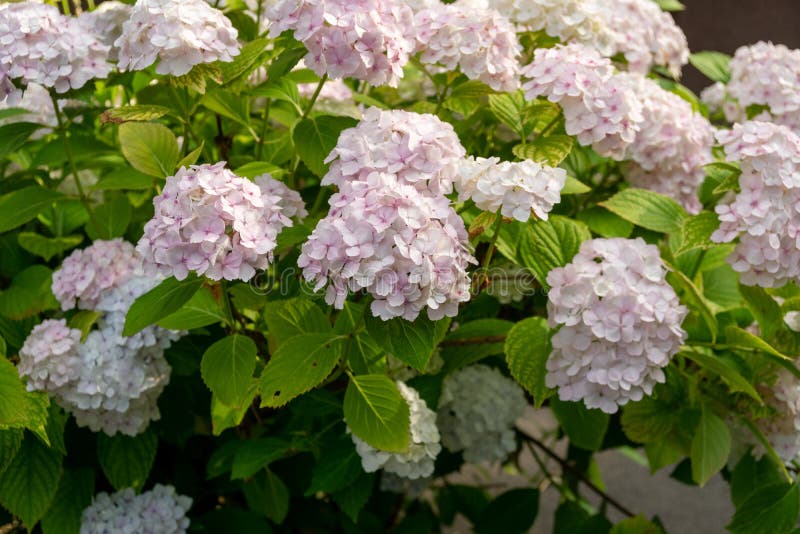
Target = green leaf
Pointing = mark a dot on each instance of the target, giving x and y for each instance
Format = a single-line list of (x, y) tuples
[(75, 492), (670, 5), (508, 108), (711, 446), (228, 105), (377, 413), (12, 395), (715, 65), (771, 509), (224, 416), (353, 498), (10, 442), (257, 168), (729, 374), (511, 512), (545, 245), (191, 158), (696, 232), (133, 113), (161, 301), (636, 525), (228, 366), (253, 455), (124, 178), (47, 247), (410, 342), (338, 466), (527, 349), (550, 150), (200, 310), (198, 77), (765, 309), (245, 62), (695, 300), (473, 341), (315, 137), (126, 460), (299, 365), (111, 219), (750, 474), (647, 209), (649, 420), (22, 205), (605, 223), (83, 321), (268, 495), (30, 482), (585, 428), (149, 147), (288, 318), (14, 135), (740, 338), (573, 186)]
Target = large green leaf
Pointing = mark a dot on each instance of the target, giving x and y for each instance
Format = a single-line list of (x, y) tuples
[(710, 447), (30, 482), (200, 310), (647, 209), (715, 65), (772, 509), (122, 114), (163, 300), (47, 247), (411, 342), (267, 494), (511, 512), (338, 466), (548, 244), (75, 492), (12, 395), (299, 365), (22, 205), (314, 138), (473, 341), (228, 366), (288, 318), (253, 455), (127, 460), (10, 442), (751, 474), (740, 338), (527, 349), (585, 428), (352, 499), (149, 147), (111, 219), (376, 412), (550, 150), (723, 368), (14, 135)]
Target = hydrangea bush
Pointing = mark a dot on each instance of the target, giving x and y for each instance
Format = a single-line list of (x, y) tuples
[(318, 266)]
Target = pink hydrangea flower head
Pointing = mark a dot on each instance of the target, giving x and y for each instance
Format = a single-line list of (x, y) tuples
[(620, 323), (369, 40), (516, 189), (672, 145), (106, 22), (764, 215), (209, 221), (48, 358), (481, 43), (178, 33), (87, 275), (599, 109), (40, 45)]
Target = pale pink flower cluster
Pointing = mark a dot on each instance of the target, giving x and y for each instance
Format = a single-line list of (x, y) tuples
[(672, 145), (48, 358), (87, 275), (481, 43), (370, 40), (782, 429), (765, 74), (516, 189), (417, 461), (106, 22), (390, 230), (178, 33), (599, 108), (209, 221), (620, 323), (765, 214), (716, 97), (36, 100), (40, 45), (158, 511)]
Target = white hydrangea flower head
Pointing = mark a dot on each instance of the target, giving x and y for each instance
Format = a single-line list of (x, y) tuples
[(672, 146), (209, 221), (106, 21), (158, 511), (178, 33), (765, 74), (390, 229), (481, 43), (477, 411), (48, 358), (620, 323), (516, 189), (599, 109), (37, 102), (86, 275), (418, 461), (40, 45), (782, 430), (765, 214), (716, 97), (369, 40)]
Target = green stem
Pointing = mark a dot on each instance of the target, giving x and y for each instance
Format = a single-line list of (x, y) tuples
[(264, 126), (487, 259), (768, 446), (315, 96), (65, 7), (91, 5), (62, 132)]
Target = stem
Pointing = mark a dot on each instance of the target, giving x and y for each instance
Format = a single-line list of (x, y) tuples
[(315, 96), (493, 243), (65, 7), (62, 132), (91, 5), (768, 446), (566, 466), (264, 125)]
